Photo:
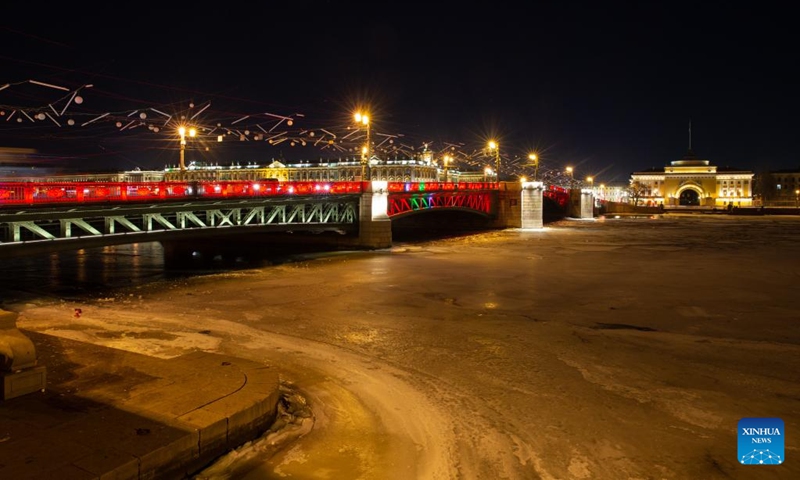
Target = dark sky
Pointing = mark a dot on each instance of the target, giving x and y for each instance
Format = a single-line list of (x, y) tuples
[(606, 88)]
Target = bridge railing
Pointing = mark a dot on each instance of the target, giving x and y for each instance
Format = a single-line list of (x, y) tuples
[(54, 193), (410, 187)]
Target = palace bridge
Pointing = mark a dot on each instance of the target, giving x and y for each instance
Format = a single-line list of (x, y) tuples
[(51, 214)]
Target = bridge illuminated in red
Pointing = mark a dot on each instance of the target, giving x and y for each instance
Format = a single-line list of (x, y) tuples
[(38, 216), (59, 193)]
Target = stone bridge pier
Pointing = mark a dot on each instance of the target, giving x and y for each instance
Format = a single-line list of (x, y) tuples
[(520, 205), (581, 203), (375, 226), (532, 198)]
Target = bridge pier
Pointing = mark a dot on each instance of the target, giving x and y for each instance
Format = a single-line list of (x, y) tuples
[(374, 225), (508, 209), (520, 205), (18, 365), (581, 203), (532, 200)]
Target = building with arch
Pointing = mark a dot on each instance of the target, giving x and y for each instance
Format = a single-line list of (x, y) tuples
[(692, 182)]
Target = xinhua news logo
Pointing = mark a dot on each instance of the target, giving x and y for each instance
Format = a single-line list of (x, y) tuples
[(761, 441)]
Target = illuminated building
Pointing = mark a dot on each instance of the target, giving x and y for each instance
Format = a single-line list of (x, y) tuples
[(405, 170), (692, 183)]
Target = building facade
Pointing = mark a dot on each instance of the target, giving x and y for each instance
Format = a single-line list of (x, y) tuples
[(780, 188), (398, 170), (693, 183)]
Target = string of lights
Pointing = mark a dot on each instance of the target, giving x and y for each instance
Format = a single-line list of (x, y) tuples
[(34, 111)]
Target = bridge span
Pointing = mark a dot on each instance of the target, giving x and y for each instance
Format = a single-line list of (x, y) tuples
[(40, 217)]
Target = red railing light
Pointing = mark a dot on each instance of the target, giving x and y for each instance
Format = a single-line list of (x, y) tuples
[(43, 193)]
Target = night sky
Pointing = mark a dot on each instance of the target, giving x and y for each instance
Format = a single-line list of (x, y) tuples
[(606, 88)]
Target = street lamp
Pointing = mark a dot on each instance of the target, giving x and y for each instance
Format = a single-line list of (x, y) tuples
[(493, 146), (571, 178), (487, 174), (591, 183), (363, 119), (797, 198), (182, 131), (446, 161), (533, 158)]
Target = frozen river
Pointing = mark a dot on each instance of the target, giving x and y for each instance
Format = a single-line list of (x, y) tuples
[(616, 349)]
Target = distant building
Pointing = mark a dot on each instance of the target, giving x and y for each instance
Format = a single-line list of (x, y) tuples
[(779, 188), (399, 170), (693, 182), (611, 193)]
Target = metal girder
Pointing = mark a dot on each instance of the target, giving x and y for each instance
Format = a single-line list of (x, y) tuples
[(110, 223), (28, 226), (16, 230), (66, 227)]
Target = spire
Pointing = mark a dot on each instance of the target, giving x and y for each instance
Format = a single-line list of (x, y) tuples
[(690, 153)]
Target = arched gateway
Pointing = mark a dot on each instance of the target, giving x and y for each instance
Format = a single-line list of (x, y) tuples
[(689, 198)]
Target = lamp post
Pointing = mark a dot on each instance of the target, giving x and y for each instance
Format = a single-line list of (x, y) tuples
[(797, 198), (533, 158), (494, 146), (571, 178), (363, 119), (446, 161), (182, 131), (487, 174), (590, 180)]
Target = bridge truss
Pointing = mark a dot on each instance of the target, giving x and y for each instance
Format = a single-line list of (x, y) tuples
[(153, 222)]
